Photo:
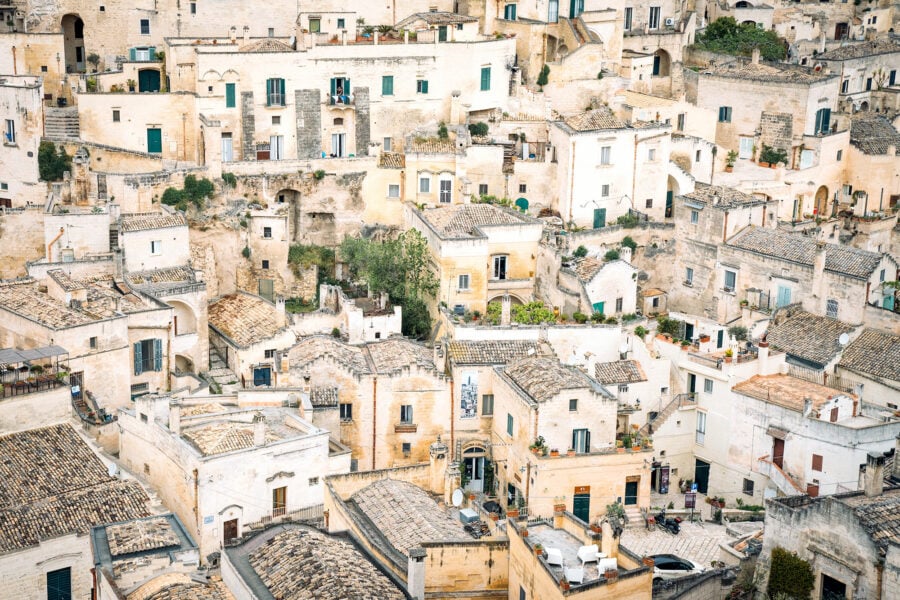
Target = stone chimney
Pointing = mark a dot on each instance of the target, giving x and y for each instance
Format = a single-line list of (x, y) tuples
[(822, 39), (874, 474), (807, 406), (280, 316), (505, 310), (175, 417), (763, 357), (818, 282), (455, 108), (259, 429), (440, 354), (246, 35), (754, 56), (439, 455), (232, 34)]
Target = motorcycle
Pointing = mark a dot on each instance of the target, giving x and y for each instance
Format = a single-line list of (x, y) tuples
[(672, 525)]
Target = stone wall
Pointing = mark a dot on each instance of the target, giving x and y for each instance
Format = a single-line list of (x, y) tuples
[(776, 130), (248, 126), (21, 240), (309, 123)]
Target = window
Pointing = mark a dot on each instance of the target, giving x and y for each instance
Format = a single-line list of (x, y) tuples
[(698, 156), (279, 501), (117, 116), (407, 449), (509, 424), (629, 16), (708, 386), (346, 411), (145, 26), (831, 308), (845, 84), (487, 405), (648, 203), (523, 188), (275, 92), (623, 388), (193, 8), (724, 114), (695, 217), (387, 144), (680, 122), (651, 154), (823, 120), (446, 191), (482, 189), (156, 247), (689, 276), (425, 185), (573, 404), (654, 17), (10, 131), (276, 120), (312, 481), (269, 353), (816, 462), (387, 85), (341, 24), (421, 86), (485, 79), (581, 440), (618, 305), (394, 190), (93, 342), (147, 356), (265, 264), (604, 190), (839, 156), (606, 155), (315, 25), (748, 487), (882, 274), (500, 267), (276, 147), (730, 280), (267, 232), (509, 12), (59, 584), (892, 78), (406, 413), (463, 282), (701, 427)]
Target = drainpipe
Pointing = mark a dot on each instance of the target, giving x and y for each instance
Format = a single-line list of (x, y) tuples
[(62, 230), (571, 180), (452, 415), (374, 417), (15, 67), (197, 499)]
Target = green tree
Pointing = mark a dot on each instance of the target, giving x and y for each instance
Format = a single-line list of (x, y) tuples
[(727, 36), (532, 313), (611, 255), (53, 162), (479, 129), (790, 575), (628, 242), (543, 76)]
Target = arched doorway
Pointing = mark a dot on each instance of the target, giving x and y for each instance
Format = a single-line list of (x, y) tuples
[(662, 63), (672, 190), (148, 80), (185, 322), (73, 40), (864, 105), (822, 201), (512, 299), (474, 458), (742, 4)]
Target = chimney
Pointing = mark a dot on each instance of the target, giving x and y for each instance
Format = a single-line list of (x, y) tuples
[(807, 406), (280, 316), (818, 282), (763, 357), (246, 35), (456, 112), (505, 309), (822, 43), (440, 354), (259, 429), (754, 56), (175, 417), (232, 34), (874, 474), (896, 473)]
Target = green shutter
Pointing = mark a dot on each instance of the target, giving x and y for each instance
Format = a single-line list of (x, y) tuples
[(425, 87), (333, 86), (157, 355), (485, 79), (138, 359), (59, 584), (269, 84), (152, 53), (229, 95), (131, 55), (387, 85), (282, 91)]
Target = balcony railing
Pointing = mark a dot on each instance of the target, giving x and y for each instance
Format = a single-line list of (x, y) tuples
[(405, 428), (41, 383)]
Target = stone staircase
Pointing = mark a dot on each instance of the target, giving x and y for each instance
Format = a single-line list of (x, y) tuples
[(220, 374), (680, 400), (61, 124), (635, 518)]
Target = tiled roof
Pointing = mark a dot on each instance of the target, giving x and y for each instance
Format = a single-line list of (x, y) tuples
[(179, 586), (140, 535), (156, 277), (489, 352), (786, 391), (594, 120), (65, 282), (391, 160), (438, 18), (141, 222), (406, 515), (430, 146), (201, 409), (587, 268), (766, 72), (543, 378), (873, 134), (223, 436), (301, 564), (392, 355), (800, 249), (721, 197), (878, 515), (808, 337), (266, 45), (54, 485), (462, 220), (619, 371), (859, 50), (23, 298), (323, 397), (244, 318), (638, 100), (310, 348), (874, 353)]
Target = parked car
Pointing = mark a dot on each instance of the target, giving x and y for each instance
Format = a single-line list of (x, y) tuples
[(669, 566)]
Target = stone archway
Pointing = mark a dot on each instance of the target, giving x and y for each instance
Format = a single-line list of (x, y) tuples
[(662, 63), (73, 41), (864, 105), (183, 364), (512, 298), (822, 201)]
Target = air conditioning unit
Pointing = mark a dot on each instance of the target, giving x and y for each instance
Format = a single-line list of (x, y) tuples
[(670, 22)]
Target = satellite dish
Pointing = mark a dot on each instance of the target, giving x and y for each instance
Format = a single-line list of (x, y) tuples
[(457, 497), (623, 349), (843, 339), (112, 469)]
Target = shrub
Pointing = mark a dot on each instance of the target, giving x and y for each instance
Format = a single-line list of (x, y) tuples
[(442, 131), (172, 196), (611, 255), (246, 252), (479, 129), (230, 179), (628, 242), (668, 326), (580, 252), (544, 76), (789, 574), (335, 332), (532, 313), (53, 162), (730, 37), (319, 175), (580, 317), (772, 155), (600, 75), (493, 313), (739, 332), (640, 331), (597, 317), (627, 317), (628, 221), (611, 321)]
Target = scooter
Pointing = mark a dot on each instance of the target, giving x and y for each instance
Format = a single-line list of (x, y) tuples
[(672, 525)]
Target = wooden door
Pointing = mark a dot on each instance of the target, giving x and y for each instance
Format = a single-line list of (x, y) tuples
[(581, 507), (230, 530), (778, 452)]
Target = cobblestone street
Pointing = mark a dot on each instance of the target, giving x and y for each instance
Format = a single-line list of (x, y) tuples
[(695, 542)]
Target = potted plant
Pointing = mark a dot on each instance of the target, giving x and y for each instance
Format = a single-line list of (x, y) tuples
[(132, 84), (564, 584), (729, 354), (626, 441), (570, 452), (512, 513), (611, 574), (554, 452), (559, 507), (685, 345), (730, 159), (704, 338), (744, 303), (620, 446), (537, 447), (538, 549)]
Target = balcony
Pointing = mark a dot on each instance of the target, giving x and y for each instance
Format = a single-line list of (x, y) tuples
[(32, 371), (341, 101), (510, 284), (405, 428)]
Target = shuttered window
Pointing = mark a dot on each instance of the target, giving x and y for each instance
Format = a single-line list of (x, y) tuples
[(387, 85), (229, 95), (275, 92), (59, 584), (147, 356), (485, 79), (816, 462)]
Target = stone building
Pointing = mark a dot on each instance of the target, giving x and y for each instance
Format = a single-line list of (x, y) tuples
[(870, 188), (864, 69), (55, 490), (604, 286), (869, 363), (22, 114)]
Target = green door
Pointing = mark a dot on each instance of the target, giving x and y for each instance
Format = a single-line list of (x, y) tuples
[(154, 140), (522, 204), (59, 584), (148, 80), (581, 507), (669, 204), (631, 493), (599, 218), (442, 33), (229, 95)]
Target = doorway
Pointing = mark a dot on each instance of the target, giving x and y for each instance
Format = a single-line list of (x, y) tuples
[(701, 475), (148, 80), (227, 147), (581, 507), (599, 218), (631, 493), (338, 145), (778, 452), (692, 383), (474, 466), (73, 35), (832, 589), (154, 140), (229, 530)]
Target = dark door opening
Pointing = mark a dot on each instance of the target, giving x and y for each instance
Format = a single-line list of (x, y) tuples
[(581, 507), (59, 584), (148, 80), (692, 383), (230, 530), (832, 589), (701, 475), (631, 493), (778, 452)]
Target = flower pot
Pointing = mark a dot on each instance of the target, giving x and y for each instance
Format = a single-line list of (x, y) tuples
[(554, 453), (495, 517), (471, 496), (763, 164), (570, 453), (512, 513), (596, 529), (729, 168), (620, 450), (538, 551), (773, 165), (704, 338), (635, 448), (524, 533), (564, 585), (728, 359), (559, 508)]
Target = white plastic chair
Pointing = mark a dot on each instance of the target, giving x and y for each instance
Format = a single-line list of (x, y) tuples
[(554, 557), (588, 554), (575, 574)]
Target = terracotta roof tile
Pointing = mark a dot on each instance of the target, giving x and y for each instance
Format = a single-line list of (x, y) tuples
[(594, 120), (789, 392), (874, 353), (619, 371), (244, 318), (720, 197), (391, 160), (140, 535), (463, 220), (311, 348), (141, 222), (266, 45), (766, 72), (878, 515), (489, 352), (392, 355), (873, 134), (430, 146), (860, 50), (543, 378)]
